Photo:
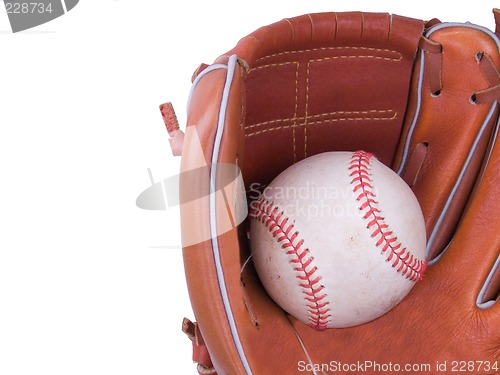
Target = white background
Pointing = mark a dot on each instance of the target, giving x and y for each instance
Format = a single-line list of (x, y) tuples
[(89, 283)]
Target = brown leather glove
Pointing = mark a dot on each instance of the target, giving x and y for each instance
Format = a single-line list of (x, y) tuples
[(422, 96)]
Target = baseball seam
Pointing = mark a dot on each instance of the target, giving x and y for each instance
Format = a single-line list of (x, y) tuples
[(279, 226), (399, 256)]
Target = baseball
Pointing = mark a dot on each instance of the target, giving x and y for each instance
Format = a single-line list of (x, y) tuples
[(338, 239)]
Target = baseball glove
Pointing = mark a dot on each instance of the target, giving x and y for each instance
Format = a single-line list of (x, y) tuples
[(420, 95)]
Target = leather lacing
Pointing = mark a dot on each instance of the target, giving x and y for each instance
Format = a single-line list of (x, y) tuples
[(434, 56), (434, 59), (201, 356), (490, 72)]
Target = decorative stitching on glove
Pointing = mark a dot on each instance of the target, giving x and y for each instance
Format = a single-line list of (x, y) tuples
[(274, 65), (278, 225), (294, 118), (398, 56), (371, 115), (402, 259), (357, 53)]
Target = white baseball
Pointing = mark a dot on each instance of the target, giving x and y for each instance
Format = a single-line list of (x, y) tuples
[(338, 239)]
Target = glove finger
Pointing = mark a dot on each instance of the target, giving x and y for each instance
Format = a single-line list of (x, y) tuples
[(447, 134), (471, 261)]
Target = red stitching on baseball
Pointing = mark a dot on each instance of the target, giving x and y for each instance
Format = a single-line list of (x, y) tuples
[(402, 259), (278, 226)]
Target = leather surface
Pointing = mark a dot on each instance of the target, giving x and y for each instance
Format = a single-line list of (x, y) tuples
[(439, 320), (334, 81), (450, 125), (199, 259), (347, 81)]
